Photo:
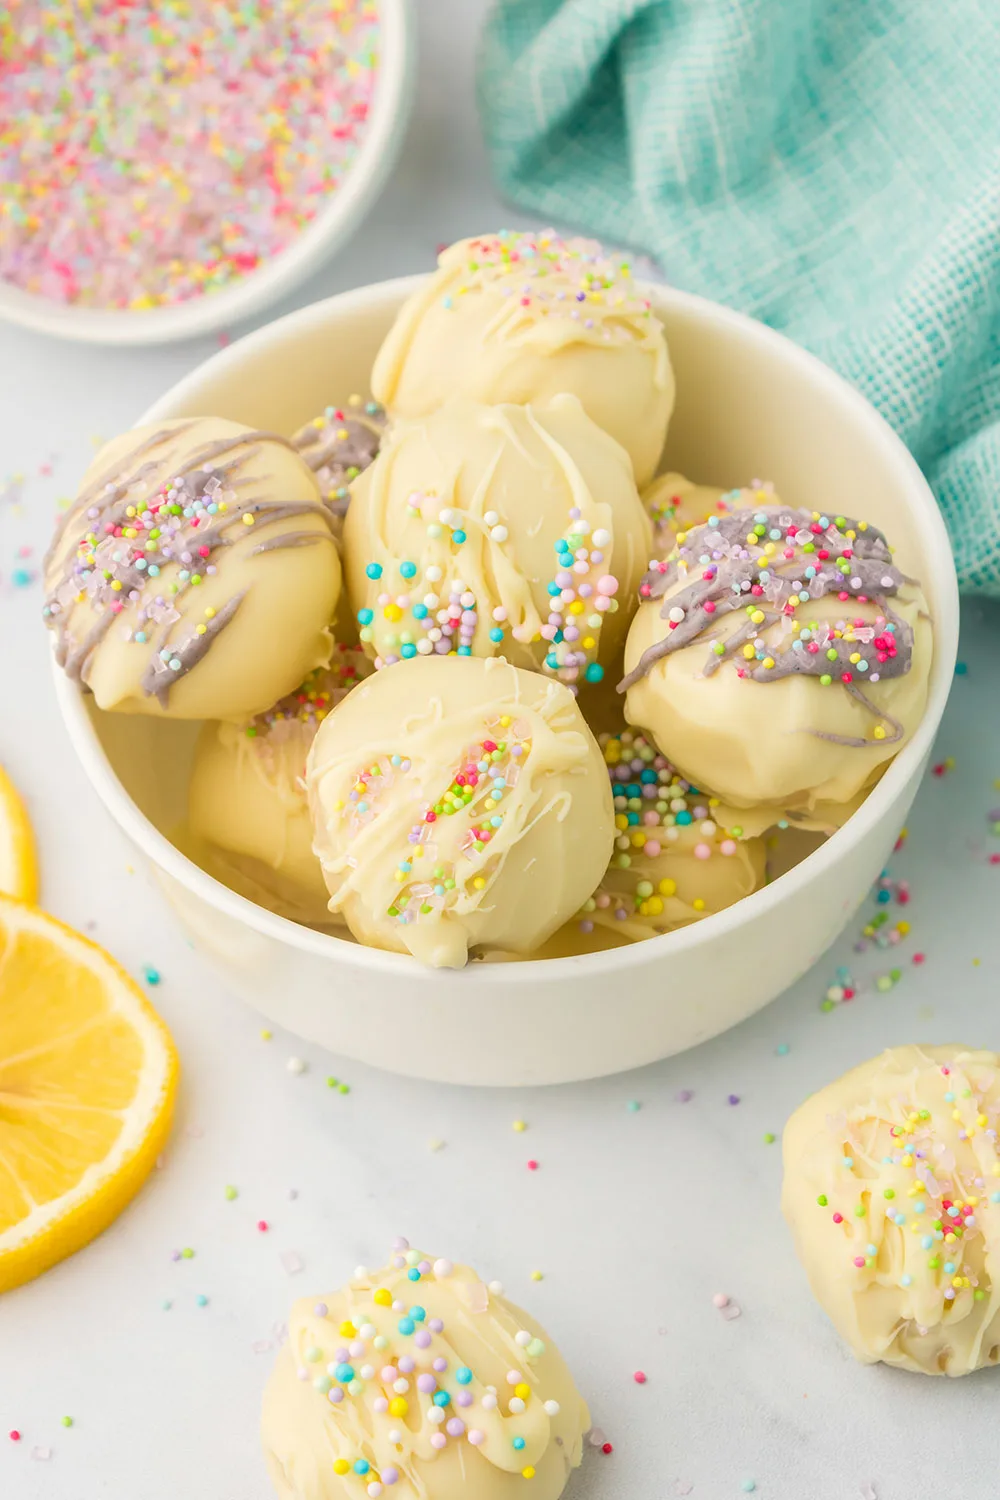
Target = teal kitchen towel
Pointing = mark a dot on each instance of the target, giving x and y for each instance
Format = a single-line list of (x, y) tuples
[(829, 166)]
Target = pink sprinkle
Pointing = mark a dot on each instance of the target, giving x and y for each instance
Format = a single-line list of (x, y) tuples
[(859, 1261), (720, 1299), (639, 1377), (532, 1165)]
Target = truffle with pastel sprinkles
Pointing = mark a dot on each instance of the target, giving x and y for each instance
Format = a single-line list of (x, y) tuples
[(675, 860), (422, 1382), (892, 1191)]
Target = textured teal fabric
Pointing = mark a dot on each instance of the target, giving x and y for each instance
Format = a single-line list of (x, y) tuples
[(829, 166)]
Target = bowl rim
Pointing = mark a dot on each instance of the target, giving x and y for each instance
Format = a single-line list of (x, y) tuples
[(335, 223), (158, 848)]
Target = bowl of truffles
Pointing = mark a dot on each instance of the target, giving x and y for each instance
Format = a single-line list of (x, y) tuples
[(512, 674)]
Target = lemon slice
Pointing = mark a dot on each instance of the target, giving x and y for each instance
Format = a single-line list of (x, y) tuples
[(88, 1075), (18, 869)]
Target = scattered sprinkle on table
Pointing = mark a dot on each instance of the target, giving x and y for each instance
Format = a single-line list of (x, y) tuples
[(536, 1276), (67, 1421), (532, 1165), (151, 975), (155, 151), (266, 1035), (231, 1193), (733, 1099), (520, 1125), (633, 1106), (295, 1065), (639, 1377), (201, 1300), (769, 1138)]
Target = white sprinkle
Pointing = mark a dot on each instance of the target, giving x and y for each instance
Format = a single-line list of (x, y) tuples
[(292, 1261), (496, 1287), (443, 1269), (295, 1065), (552, 1408), (523, 1337)]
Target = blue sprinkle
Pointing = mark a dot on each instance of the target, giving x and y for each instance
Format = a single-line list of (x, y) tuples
[(151, 975), (496, 634), (374, 570), (441, 1398), (519, 1443), (361, 1466), (365, 616), (458, 537), (594, 672), (961, 669), (413, 1274), (408, 569), (408, 650), (419, 611), (463, 1375), (344, 1373), (406, 1326), (418, 1313)]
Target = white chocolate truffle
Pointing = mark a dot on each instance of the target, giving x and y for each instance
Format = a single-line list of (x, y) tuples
[(781, 659), (892, 1192), (675, 504), (458, 804), (426, 1387), (247, 803), (524, 317), (674, 861), (498, 530), (338, 445), (195, 575)]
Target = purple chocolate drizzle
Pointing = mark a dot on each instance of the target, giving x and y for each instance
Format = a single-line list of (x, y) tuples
[(114, 572), (723, 568), (340, 449)]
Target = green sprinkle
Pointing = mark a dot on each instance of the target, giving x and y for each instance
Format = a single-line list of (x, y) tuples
[(822, 1200), (332, 1082), (344, 1088), (769, 1138), (67, 1421), (231, 1193), (187, 1253)]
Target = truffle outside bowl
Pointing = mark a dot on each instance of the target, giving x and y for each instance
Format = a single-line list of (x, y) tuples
[(311, 248), (750, 403)]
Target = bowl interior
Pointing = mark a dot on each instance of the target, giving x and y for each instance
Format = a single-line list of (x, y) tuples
[(750, 405)]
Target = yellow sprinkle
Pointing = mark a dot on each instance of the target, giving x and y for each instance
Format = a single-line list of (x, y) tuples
[(392, 612), (348, 1330), (878, 732), (522, 1391), (479, 883), (248, 519), (536, 1276), (340, 1466), (210, 613), (201, 630), (528, 1473), (749, 652), (383, 1297), (768, 662), (668, 887), (266, 1036), (520, 1125), (698, 904), (398, 1406)]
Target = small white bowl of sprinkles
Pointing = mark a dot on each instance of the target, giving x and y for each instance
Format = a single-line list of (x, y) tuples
[(167, 169)]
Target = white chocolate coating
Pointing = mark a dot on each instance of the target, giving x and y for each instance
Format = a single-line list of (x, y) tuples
[(510, 483), (247, 798), (460, 1349), (675, 861), (522, 318), (790, 745), (511, 861), (910, 1138), (196, 574)]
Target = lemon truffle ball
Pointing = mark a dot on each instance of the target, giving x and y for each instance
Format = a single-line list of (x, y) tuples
[(338, 445), (779, 659), (247, 804), (419, 1381), (195, 575), (892, 1192), (675, 504), (674, 860), (458, 805), (522, 318), (498, 530)]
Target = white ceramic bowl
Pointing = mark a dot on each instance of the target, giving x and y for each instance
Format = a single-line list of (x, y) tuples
[(311, 248), (749, 404)]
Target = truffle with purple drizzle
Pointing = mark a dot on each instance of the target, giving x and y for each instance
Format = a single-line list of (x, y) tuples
[(196, 573), (338, 445), (779, 658)]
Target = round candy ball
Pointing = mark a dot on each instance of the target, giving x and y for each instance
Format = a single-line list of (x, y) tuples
[(892, 1192), (524, 317), (247, 808), (498, 531), (779, 659), (458, 805), (482, 1403), (195, 575)]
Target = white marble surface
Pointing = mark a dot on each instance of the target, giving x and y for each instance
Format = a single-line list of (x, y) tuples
[(635, 1218)]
